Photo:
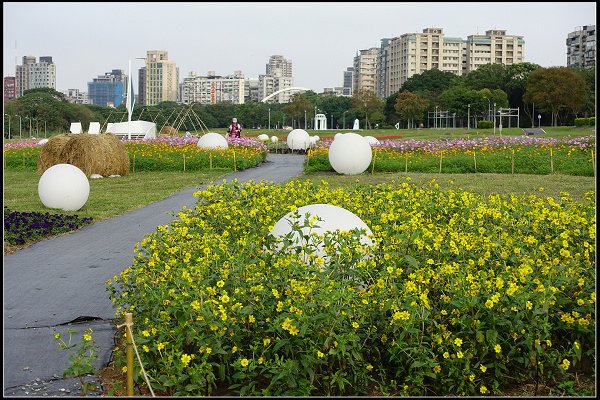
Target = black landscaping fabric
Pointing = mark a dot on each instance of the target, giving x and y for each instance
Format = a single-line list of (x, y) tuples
[(61, 282)]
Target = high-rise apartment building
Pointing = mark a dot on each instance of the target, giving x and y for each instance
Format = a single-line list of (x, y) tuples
[(214, 89), (278, 76), (495, 47), (32, 74), (10, 87), (348, 81), (365, 70), (414, 53), (382, 70), (140, 96), (108, 90), (581, 47), (162, 78)]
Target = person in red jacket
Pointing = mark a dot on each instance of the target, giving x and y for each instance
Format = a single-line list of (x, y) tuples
[(235, 129)]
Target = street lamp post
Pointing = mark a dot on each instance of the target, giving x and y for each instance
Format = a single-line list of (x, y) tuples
[(468, 116), (269, 118), (435, 118), (494, 118), (539, 120), (304, 119), (45, 132), (344, 120), (331, 121), (8, 125), (489, 108), (20, 136)]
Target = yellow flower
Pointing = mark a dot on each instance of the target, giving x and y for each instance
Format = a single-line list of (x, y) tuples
[(244, 362), (565, 364), (320, 354), (446, 354), (437, 369), (459, 354), (234, 349), (483, 368), (220, 284), (185, 359), (146, 349), (369, 367), (458, 342), (498, 348), (483, 390), (355, 325), (124, 369), (472, 377), (261, 360), (266, 341), (87, 337)]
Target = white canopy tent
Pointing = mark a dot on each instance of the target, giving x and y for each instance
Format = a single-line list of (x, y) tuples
[(138, 129)]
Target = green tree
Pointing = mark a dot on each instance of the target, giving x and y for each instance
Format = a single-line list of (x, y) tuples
[(430, 84), (366, 103), (297, 109), (487, 76), (410, 107), (556, 89)]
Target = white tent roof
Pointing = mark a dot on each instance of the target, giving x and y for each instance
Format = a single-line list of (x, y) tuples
[(138, 129)]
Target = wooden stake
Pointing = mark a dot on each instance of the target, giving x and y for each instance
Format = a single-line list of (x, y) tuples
[(184, 163), (475, 161), (129, 332), (512, 163), (440, 162), (373, 167), (210, 160), (551, 162), (405, 163), (593, 163), (133, 167), (234, 161)]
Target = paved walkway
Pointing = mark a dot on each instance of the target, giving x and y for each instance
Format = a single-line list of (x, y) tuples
[(61, 280)]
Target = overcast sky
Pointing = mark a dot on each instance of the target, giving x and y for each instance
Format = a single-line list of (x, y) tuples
[(320, 38)]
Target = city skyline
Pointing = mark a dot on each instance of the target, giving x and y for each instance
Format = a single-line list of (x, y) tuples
[(321, 39)]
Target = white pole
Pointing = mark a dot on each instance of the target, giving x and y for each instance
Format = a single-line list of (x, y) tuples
[(128, 102)]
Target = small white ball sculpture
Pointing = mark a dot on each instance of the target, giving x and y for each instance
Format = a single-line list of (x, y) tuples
[(43, 141), (350, 154), (274, 139), (332, 218), (213, 140), (262, 137), (371, 139), (64, 186), (298, 139)]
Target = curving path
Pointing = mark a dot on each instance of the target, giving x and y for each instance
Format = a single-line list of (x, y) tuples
[(62, 280)]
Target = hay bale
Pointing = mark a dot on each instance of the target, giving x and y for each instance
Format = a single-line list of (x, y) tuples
[(168, 131), (101, 154), (50, 153)]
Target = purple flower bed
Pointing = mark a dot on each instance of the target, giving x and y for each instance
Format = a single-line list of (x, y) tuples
[(25, 227)]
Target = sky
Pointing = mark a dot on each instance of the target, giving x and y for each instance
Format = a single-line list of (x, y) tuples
[(86, 40)]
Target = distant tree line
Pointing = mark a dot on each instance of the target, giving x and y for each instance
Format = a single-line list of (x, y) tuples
[(559, 94)]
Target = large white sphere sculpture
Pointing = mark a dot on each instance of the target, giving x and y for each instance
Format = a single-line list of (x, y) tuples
[(212, 140), (350, 154), (298, 139), (371, 139), (64, 186), (262, 137), (337, 135), (330, 219), (274, 139)]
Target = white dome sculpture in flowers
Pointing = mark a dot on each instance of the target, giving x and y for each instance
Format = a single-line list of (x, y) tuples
[(322, 218), (64, 186), (337, 135), (298, 139), (371, 139), (213, 140), (274, 139), (350, 154), (262, 137)]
